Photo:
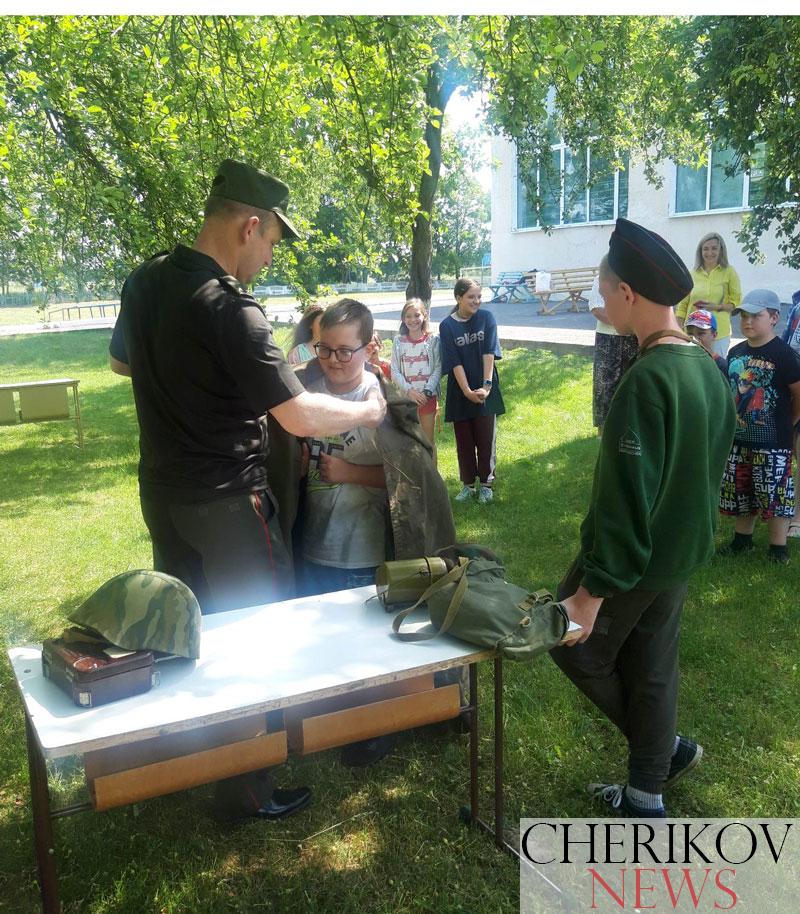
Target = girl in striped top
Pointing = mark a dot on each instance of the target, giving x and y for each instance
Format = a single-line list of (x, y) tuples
[(417, 364)]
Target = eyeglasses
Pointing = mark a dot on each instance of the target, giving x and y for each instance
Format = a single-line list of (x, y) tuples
[(342, 355)]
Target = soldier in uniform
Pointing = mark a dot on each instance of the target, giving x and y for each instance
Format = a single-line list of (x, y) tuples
[(646, 529), (205, 372)]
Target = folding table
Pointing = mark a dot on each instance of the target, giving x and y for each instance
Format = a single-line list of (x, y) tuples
[(318, 652)]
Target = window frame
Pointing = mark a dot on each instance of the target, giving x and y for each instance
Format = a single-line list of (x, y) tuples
[(745, 206), (562, 148)]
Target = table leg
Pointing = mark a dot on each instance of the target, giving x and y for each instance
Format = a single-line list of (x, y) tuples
[(473, 742), (78, 414), (42, 825), (469, 814), (498, 751)]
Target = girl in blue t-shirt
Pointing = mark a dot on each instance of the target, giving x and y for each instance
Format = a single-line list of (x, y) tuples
[(468, 338)]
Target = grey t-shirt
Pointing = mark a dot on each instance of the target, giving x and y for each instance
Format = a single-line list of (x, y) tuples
[(345, 522)]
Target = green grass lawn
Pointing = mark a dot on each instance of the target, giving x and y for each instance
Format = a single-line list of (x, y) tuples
[(386, 839), (29, 314)]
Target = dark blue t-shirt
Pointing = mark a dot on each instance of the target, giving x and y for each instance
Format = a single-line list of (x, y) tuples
[(760, 377), (465, 343)]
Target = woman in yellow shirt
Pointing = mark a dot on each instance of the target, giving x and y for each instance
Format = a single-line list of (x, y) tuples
[(716, 285)]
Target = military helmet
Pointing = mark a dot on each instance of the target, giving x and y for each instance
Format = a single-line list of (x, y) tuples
[(144, 610)]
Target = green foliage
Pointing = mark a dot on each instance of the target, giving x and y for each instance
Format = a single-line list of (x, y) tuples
[(460, 227), (744, 91), (111, 127), (601, 79)]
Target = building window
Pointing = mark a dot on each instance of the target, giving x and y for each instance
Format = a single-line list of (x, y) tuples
[(581, 188), (710, 187)]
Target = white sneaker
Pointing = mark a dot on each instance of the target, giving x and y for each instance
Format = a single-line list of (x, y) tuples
[(465, 493), (485, 495)]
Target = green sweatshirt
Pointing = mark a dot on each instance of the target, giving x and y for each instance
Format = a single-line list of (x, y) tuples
[(655, 496)]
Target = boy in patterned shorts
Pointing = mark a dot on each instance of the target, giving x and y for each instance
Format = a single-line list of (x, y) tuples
[(764, 375)]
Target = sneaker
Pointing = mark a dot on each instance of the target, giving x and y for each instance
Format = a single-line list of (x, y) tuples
[(465, 494), (685, 759), (485, 495), (737, 547), (778, 554), (622, 806)]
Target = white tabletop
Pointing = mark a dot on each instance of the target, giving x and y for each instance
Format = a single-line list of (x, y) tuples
[(251, 660), (50, 382)]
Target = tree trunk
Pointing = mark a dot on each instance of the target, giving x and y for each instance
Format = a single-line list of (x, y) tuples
[(442, 82)]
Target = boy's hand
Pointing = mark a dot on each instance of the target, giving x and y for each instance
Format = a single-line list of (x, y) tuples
[(334, 469), (418, 397), (582, 608), (479, 395)]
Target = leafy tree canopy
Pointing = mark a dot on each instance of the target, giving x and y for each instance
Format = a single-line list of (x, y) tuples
[(743, 92), (111, 127)]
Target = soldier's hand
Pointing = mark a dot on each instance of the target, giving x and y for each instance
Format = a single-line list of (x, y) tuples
[(377, 408)]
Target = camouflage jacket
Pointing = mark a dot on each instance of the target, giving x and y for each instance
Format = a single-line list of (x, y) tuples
[(419, 506)]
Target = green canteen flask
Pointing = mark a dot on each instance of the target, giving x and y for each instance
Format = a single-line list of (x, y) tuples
[(405, 580)]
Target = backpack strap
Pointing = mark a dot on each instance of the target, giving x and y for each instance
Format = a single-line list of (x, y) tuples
[(458, 573), (533, 599)]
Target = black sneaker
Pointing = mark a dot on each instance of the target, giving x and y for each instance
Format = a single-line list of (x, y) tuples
[(737, 547), (778, 554), (621, 804), (685, 759)]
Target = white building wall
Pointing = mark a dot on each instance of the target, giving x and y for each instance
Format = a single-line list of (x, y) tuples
[(584, 245)]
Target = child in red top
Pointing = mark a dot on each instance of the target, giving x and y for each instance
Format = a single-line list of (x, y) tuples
[(375, 359)]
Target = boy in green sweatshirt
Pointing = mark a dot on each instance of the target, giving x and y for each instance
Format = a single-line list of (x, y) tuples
[(646, 531)]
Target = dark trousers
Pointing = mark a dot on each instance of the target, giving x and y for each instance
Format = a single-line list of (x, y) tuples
[(228, 551), (629, 668), (475, 447)]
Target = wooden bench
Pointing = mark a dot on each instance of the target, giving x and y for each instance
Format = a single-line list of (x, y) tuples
[(573, 284), (510, 285), (40, 401)]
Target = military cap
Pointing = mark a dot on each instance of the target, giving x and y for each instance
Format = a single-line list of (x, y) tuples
[(253, 187), (647, 263)]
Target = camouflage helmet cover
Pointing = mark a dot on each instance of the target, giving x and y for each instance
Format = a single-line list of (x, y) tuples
[(144, 610)]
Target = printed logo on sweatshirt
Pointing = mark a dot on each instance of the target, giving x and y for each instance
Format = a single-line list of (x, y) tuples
[(629, 444), (466, 338)]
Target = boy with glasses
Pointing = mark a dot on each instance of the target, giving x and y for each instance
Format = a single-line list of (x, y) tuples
[(348, 527), (344, 517)]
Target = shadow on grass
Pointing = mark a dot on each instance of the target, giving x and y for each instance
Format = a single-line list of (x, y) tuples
[(386, 839), (53, 355), (739, 669), (41, 459), (539, 504)]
